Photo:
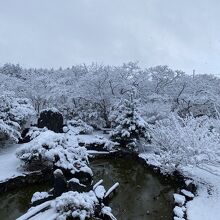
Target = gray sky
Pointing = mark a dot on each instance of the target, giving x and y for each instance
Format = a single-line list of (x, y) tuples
[(51, 33)]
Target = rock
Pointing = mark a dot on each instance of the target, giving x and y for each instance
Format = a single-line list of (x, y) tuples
[(179, 199), (187, 193), (75, 185), (60, 183), (51, 119), (190, 186), (178, 211), (24, 137), (177, 218)]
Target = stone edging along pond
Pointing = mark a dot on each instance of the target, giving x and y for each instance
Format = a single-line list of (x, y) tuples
[(182, 197)]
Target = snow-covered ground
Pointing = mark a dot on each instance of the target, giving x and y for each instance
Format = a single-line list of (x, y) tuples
[(9, 163), (206, 205)]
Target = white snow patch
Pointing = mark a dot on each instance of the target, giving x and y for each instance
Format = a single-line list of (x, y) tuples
[(187, 193), (39, 195), (10, 163), (178, 211), (179, 199)]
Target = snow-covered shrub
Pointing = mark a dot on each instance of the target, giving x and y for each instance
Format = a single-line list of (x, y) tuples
[(79, 127), (128, 125), (85, 205), (9, 129), (14, 114), (33, 132), (74, 204), (55, 149), (157, 107), (97, 142), (179, 141), (22, 111)]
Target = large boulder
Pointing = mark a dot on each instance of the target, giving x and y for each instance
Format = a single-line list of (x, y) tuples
[(52, 119)]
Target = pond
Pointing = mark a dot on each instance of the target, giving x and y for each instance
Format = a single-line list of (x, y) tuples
[(142, 195)]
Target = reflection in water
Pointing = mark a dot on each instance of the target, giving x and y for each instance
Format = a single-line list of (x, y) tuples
[(141, 195)]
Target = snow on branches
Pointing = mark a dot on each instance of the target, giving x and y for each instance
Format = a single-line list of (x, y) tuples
[(128, 125), (181, 141), (14, 114)]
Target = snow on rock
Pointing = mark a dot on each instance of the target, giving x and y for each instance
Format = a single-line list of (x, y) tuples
[(39, 195), (178, 211), (188, 181), (177, 218), (179, 199), (75, 180), (187, 193), (100, 192)]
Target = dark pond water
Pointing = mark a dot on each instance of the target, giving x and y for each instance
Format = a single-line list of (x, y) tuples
[(142, 195)]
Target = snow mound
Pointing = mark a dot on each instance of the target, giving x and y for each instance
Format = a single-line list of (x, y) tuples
[(39, 195), (179, 199), (58, 149), (81, 205)]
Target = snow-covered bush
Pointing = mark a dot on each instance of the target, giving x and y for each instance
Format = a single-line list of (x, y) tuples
[(85, 205), (14, 114), (156, 107), (179, 141), (128, 125), (74, 204), (33, 132), (9, 130), (97, 142), (79, 127), (55, 149)]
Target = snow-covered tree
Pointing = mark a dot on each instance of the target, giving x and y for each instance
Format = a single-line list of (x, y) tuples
[(15, 113), (178, 142), (127, 123)]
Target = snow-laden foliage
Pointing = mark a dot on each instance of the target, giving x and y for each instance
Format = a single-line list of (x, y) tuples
[(128, 125), (74, 204), (157, 107), (79, 127), (60, 150), (89, 92), (10, 130), (181, 141), (14, 114), (85, 205)]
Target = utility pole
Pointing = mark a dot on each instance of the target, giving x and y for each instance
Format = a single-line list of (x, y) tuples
[(194, 73)]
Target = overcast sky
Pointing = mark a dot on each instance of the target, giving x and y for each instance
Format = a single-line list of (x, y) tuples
[(51, 33)]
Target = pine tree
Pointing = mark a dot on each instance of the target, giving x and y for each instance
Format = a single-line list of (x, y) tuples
[(128, 125)]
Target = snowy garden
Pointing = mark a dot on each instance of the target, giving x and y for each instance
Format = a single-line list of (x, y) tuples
[(55, 123)]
